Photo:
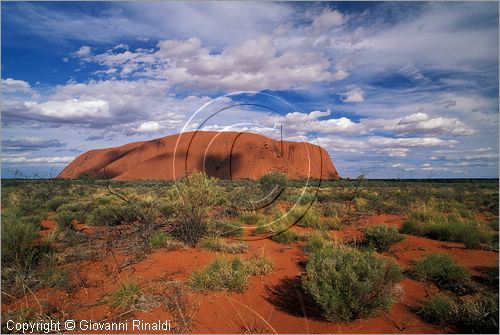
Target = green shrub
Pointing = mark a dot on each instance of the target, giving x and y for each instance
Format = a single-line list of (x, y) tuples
[(258, 265), (222, 274), (478, 316), (423, 215), (491, 273), (238, 198), (226, 229), (191, 200), (301, 199), (494, 225), (55, 278), (442, 270), (347, 283), (252, 218), (273, 181), (279, 229), (489, 201), (267, 225), (438, 310), (18, 241), (117, 214), (332, 209), (78, 210), (318, 240), (453, 207), (35, 219), (331, 223), (475, 237), (360, 204), (215, 243), (304, 217), (381, 237), (284, 235), (34, 207), (89, 177), (262, 228), (64, 219), (126, 295), (54, 203), (430, 223), (165, 209), (159, 239), (229, 274)]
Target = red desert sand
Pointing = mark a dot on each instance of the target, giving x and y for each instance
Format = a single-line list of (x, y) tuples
[(218, 154), (272, 303)]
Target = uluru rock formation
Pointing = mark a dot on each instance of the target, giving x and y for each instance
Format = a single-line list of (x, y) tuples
[(238, 155)]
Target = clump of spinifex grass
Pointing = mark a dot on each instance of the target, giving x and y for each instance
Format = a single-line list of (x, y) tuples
[(226, 229), (494, 225), (279, 228), (439, 309), (476, 316), (284, 235), (64, 220), (381, 237), (229, 274), (18, 240), (219, 244), (304, 216), (161, 240), (430, 222), (301, 198), (443, 271), (259, 265), (54, 203), (54, 277), (332, 209), (252, 218), (126, 295), (318, 240)]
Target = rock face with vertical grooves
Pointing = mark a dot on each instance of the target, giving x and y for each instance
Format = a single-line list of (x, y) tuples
[(219, 154)]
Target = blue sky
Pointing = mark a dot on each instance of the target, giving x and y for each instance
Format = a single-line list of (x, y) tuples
[(395, 89)]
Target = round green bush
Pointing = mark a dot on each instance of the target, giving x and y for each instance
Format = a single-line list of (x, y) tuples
[(381, 237), (64, 219), (54, 203), (347, 283), (272, 180), (442, 270), (191, 200)]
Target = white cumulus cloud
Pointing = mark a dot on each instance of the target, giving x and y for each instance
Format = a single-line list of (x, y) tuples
[(328, 19), (70, 109), (10, 85), (148, 126), (354, 95)]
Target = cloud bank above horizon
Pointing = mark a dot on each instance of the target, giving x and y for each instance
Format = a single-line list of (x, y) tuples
[(391, 89)]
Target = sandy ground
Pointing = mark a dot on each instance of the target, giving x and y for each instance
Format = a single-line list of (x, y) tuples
[(272, 303)]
